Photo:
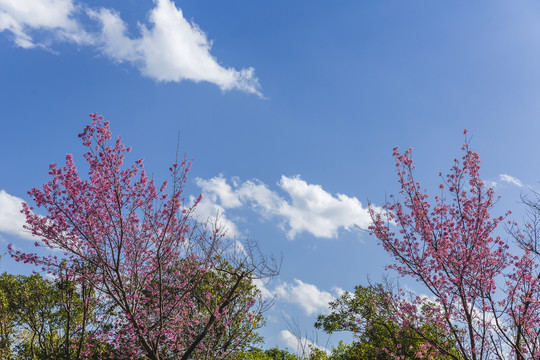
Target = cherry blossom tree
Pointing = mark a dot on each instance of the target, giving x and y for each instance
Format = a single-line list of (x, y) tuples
[(172, 287), (484, 298)]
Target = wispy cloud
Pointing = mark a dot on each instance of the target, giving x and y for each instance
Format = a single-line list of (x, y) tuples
[(510, 180), (169, 48), (11, 219), (504, 179), (308, 208)]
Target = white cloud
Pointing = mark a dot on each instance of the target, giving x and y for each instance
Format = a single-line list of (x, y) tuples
[(510, 180), (11, 219), (317, 211), (504, 179), (265, 293), (309, 209), (208, 210), (23, 18), (300, 345), (338, 290), (169, 48), (289, 339), (217, 190), (307, 296)]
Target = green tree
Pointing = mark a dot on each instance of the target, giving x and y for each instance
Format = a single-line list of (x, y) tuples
[(9, 333), (345, 351), (317, 354), (237, 328), (31, 317), (368, 314), (43, 319), (271, 354)]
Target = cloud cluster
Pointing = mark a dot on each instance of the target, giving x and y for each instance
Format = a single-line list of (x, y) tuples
[(307, 296), (169, 48), (208, 210), (309, 208), (11, 219), (265, 293), (22, 18)]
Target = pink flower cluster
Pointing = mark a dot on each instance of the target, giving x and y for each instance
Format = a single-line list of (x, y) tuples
[(447, 243)]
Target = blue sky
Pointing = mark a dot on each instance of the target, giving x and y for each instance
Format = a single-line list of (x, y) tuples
[(290, 110)]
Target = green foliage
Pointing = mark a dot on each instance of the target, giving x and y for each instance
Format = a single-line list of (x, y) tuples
[(237, 329), (279, 354), (42, 319), (368, 314), (347, 352), (270, 354), (31, 313), (317, 354), (9, 334)]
